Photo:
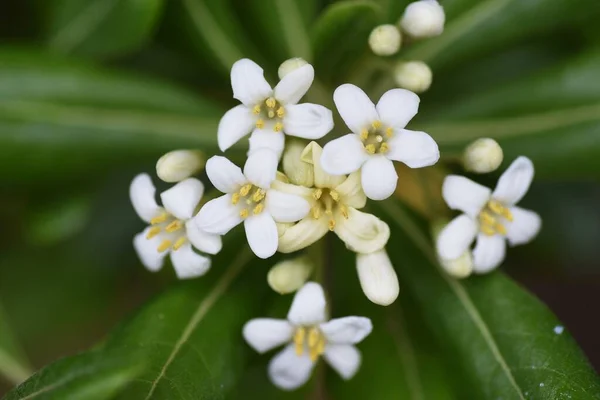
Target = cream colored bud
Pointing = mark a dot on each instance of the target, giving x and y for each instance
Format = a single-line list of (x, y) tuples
[(178, 165), (461, 267), (377, 277), (298, 172), (483, 156), (415, 76), (289, 275), (290, 65), (423, 19), (385, 40)]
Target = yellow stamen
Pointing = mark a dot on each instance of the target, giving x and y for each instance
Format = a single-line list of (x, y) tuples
[(500, 229), (155, 230), (280, 112), (488, 230), (364, 134), (278, 127), (384, 148), (159, 219), (260, 123), (299, 341), (334, 195), (313, 353), (389, 132), (370, 148), (164, 245), (235, 198), (244, 190), (258, 195), (179, 243), (271, 114), (174, 226), (317, 193), (376, 124), (487, 218), (321, 346), (344, 210), (313, 337), (256, 109), (507, 214), (244, 213), (499, 209), (331, 224), (258, 209), (316, 212), (271, 102)]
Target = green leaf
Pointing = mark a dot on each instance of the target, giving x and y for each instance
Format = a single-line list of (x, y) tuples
[(73, 119), (13, 364), (185, 344), (504, 340), (340, 37), (99, 28)]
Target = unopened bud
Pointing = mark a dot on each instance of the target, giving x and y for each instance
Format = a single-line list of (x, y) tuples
[(290, 65), (460, 267), (298, 172), (385, 40), (483, 156), (377, 277), (289, 275), (415, 76), (178, 165), (423, 19)]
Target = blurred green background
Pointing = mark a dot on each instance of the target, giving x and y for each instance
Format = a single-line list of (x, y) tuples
[(93, 92)]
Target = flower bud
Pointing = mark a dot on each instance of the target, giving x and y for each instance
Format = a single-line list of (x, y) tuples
[(483, 156), (413, 75), (385, 40), (178, 165), (377, 277), (423, 19), (460, 267), (289, 275), (298, 172), (290, 65)]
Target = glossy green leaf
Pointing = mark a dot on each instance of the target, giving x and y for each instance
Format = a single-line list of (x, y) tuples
[(506, 342), (99, 27), (185, 344), (13, 364)]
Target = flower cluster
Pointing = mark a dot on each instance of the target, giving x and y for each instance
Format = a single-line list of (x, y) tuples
[(318, 190)]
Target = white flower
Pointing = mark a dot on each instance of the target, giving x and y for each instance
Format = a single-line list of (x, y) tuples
[(249, 199), (415, 76), (308, 336), (269, 113), (423, 19), (171, 229), (378, 279), (482, 156), (379, 137), (334, 203), (385, 40), (492, 217)]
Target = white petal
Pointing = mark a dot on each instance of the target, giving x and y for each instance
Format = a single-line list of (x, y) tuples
[(397, 107), (377, 277), (264, 334), (361, 232), (289, 371), (525, 226), (307, 121), (147, 252), (248, 82), (141, 193), (181, 200), (189, 264), (355, 107), (218, 216), (343, 155), (344, 358), (308, 307), (267, 139), (302, 234), (351, 191), (312, 154), (261, 233), (297, 190), (261, 167), (460, 267), (379, 178), (456, 237), (203, 241), (465, 195), (414, 148), (294, 85), (514, 182), (488, 253), (285, 207), (347, 330), (224, 175), (234, 125)]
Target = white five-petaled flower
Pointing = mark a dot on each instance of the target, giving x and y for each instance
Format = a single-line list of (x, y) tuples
[(171, 229), (308, 336), (492, 217), (269, 113), (379, 138), (248, 198)]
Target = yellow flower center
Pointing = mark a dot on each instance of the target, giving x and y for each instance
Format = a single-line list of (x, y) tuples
[(492, 217), (309, 338), (375, 138), (270, 110), (165, 222), (251, 200), (328, 201)]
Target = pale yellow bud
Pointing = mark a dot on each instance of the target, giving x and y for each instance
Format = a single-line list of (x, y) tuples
[(178, 165), (298, 172), (415, 76), (290, 65), (483, 156), (385, 40), (423, 19), (460, 267), (377, 277), (289, 275)]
